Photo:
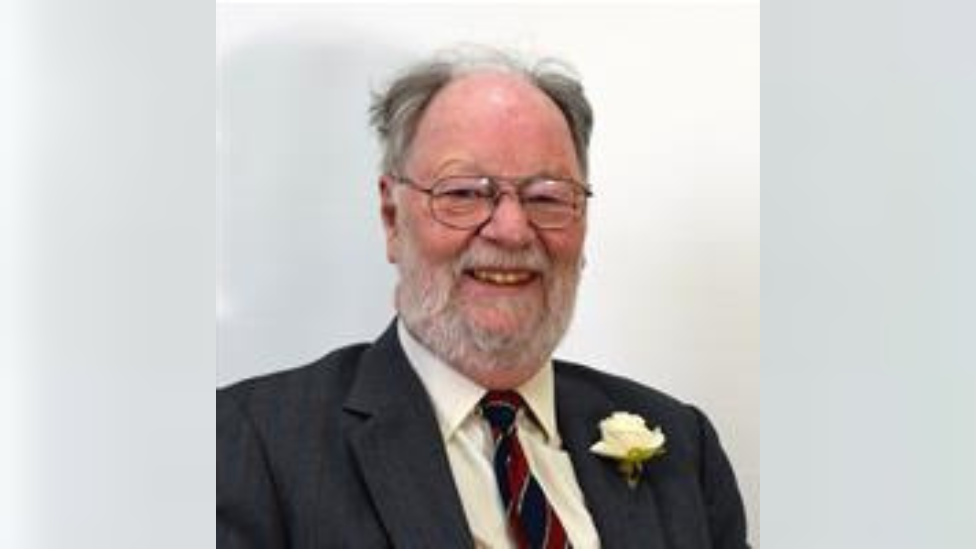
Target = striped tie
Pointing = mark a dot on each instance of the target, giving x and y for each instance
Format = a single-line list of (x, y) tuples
[(533, 521)]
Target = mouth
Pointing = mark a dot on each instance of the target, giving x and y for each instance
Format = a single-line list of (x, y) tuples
[(502, 277)]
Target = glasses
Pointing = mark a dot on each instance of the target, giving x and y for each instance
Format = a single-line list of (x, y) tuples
[(469, 201)]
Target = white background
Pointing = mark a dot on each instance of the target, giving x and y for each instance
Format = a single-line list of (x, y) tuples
[(671, 290)]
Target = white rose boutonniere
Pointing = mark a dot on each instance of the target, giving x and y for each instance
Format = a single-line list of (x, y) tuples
[(626, 438)]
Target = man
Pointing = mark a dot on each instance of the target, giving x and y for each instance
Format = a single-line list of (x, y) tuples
[(456, 428)]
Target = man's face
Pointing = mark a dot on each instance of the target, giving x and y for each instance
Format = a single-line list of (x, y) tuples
[(494, 299)]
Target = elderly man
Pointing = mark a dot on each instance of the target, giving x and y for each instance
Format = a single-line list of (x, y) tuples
[(456, 428)]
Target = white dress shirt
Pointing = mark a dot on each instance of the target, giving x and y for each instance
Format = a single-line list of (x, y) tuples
[(467, 439)]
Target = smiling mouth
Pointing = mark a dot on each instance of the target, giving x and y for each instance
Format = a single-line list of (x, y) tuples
[(502, 278)]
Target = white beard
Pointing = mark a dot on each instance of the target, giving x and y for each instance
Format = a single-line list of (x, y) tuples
[(427, 302)]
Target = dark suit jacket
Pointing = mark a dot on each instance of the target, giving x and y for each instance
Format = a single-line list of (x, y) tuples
[(346, 452)]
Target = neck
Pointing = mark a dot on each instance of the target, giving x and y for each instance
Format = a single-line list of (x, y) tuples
[(498, 379)]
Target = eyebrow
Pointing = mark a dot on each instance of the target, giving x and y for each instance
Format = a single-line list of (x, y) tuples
[(520, 178), (466, 168), (458, 166)]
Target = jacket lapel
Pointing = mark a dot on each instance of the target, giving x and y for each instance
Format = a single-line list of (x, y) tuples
[(624, 517), (400, 453)]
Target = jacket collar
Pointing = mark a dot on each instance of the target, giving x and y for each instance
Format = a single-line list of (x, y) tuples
[(399, 449), (400, 453)]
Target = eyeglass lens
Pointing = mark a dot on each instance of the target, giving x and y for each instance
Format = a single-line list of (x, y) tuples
[(466, 202)]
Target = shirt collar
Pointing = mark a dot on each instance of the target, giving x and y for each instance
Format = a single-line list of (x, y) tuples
[(455, 396)]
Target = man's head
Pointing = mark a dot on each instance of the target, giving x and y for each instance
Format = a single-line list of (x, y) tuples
[(490, 290)]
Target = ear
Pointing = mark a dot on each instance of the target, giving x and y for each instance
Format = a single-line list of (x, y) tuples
[(388, 212)]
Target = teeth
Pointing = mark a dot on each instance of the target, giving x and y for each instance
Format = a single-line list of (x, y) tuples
[(505, 278)]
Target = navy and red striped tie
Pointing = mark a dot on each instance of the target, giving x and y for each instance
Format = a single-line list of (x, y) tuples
[(531, 518)]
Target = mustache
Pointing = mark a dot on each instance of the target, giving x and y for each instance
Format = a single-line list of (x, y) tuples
[(486, 257)]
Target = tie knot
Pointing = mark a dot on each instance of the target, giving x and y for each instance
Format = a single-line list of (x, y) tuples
[(500, 409)]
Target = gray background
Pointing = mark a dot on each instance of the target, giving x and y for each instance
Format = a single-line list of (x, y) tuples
[(869, 385)]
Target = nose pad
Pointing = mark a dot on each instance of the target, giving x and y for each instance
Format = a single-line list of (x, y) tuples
[(509, 223)]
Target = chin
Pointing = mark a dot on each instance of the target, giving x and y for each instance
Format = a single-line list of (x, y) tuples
[(500, 324)]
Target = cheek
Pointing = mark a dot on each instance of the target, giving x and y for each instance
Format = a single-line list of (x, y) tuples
[(565, 247), (438, 245)]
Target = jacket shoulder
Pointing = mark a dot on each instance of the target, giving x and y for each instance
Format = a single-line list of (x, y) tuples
[(620, 390), (325, 380)]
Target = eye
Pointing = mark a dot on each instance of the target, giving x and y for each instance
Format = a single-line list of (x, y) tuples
[(463, 194), (543, 199), (463, 189), (549, 192)]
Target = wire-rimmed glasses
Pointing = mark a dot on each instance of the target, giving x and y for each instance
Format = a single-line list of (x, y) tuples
[(469, 201)]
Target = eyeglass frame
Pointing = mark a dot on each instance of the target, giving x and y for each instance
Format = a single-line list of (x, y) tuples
[(583, 195)]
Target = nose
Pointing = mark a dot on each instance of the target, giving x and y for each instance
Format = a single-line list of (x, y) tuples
[(509, 225)]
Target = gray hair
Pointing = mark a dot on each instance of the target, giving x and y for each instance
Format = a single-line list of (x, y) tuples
[(395, 112)]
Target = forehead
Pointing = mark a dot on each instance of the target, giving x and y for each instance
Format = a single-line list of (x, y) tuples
[(496, 121)]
